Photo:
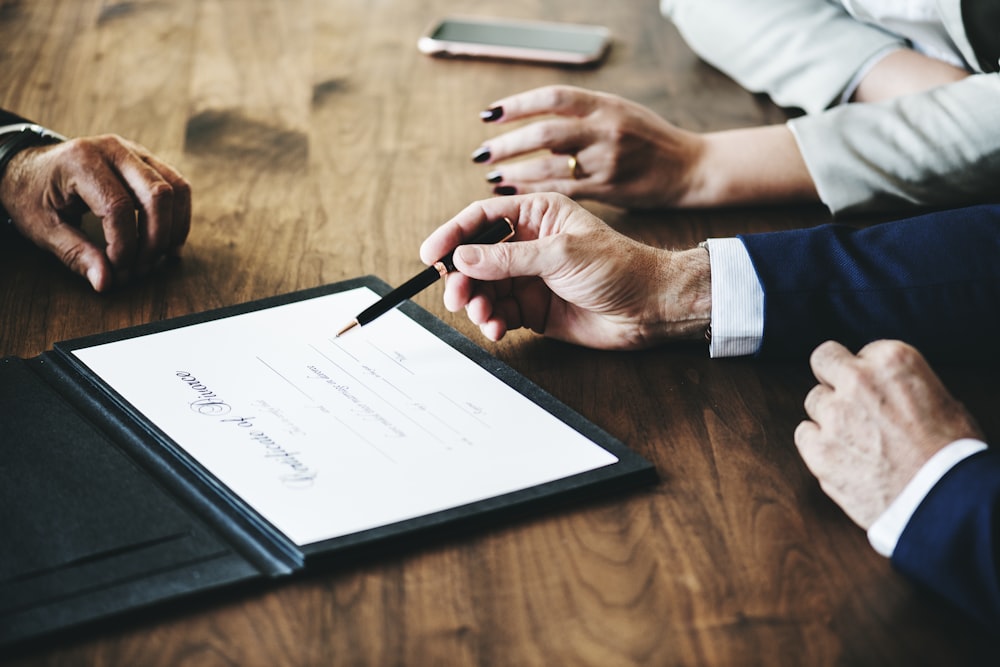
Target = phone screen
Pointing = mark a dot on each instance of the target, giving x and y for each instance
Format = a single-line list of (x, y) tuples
[(546, 38)]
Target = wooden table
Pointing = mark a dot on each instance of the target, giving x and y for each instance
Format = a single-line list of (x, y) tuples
[(321, 146)]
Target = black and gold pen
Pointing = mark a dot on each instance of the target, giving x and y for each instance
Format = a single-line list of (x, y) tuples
[(496, 232)]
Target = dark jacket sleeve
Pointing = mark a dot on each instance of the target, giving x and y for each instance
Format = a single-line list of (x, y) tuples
[(950, 543), (932, 281), (8, 118)]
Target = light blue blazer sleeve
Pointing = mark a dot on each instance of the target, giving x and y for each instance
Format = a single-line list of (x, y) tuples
[(934, 149), (802, 53), (940, 148)]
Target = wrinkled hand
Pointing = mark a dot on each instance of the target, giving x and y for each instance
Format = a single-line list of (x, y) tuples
[(144, 205), (626, 154), (568, 275), (874, 420)]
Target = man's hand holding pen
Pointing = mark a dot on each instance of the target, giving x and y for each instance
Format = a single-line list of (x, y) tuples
[(569, 276)]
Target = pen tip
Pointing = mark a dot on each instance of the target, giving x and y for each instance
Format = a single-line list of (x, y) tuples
[(349, 326)]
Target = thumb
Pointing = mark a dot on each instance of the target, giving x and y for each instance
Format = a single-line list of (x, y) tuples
[(80, 255), (499, 261)]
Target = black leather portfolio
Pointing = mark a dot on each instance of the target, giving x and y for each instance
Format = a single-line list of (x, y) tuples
[(252, 443)]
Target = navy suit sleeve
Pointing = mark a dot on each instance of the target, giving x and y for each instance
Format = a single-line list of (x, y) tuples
[(932, 281), (950, 543)]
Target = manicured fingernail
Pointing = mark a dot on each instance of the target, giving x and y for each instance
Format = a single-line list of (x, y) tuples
[(494, 177), (491, 114), (482, 154), (505, 190), (469, 254)]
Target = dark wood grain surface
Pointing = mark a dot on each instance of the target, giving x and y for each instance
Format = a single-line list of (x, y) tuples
[(321, 146)]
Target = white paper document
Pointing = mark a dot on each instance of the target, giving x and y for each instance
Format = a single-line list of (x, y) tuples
[(327, 436)]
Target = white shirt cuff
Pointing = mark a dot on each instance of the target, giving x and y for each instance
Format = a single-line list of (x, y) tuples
[(884, 533), (737, 300)]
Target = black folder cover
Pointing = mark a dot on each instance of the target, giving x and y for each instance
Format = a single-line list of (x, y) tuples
[(101, 513)]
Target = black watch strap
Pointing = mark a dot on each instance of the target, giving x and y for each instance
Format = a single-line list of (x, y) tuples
[(13, 140)]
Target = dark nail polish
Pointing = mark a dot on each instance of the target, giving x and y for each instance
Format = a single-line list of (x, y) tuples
[(505, 190), (482, 154), (494, 177), (491, 114)]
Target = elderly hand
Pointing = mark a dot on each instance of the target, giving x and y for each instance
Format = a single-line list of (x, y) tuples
[(606, 148), (874, 420), (568, 275), (144, 205)]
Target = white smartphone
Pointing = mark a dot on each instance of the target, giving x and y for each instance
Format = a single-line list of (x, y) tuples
[(538, 41)]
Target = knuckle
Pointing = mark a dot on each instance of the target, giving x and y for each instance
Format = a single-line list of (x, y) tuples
[(543, 204), (560, 245), (812, 396), (823, 351), (616, 131), (502, 253), (117, 205), (855, 382), (801, 436), (85, 150), (78, 150), (72, 254), (557, 199), (182, 189), (110, 140), (546, 132), (161, 192), (897, 352), (555, 95)]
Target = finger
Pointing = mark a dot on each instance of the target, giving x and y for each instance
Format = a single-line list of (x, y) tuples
[(481, 307), (100, 188), (809, 443), (498, 314), (155, 199), (470, 221), (830, 361), (181, 224), (495, 330), (806, 436), (479, 301), (538, 171), (504, 260), (559, 100), (77, 252), (557, 135), (815, 399), (890, 352), (458, 291), (474, 296), (445, 238), (534, 299), (506, 316)]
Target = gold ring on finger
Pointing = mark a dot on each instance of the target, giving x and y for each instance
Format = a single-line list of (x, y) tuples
[(574, 167)]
